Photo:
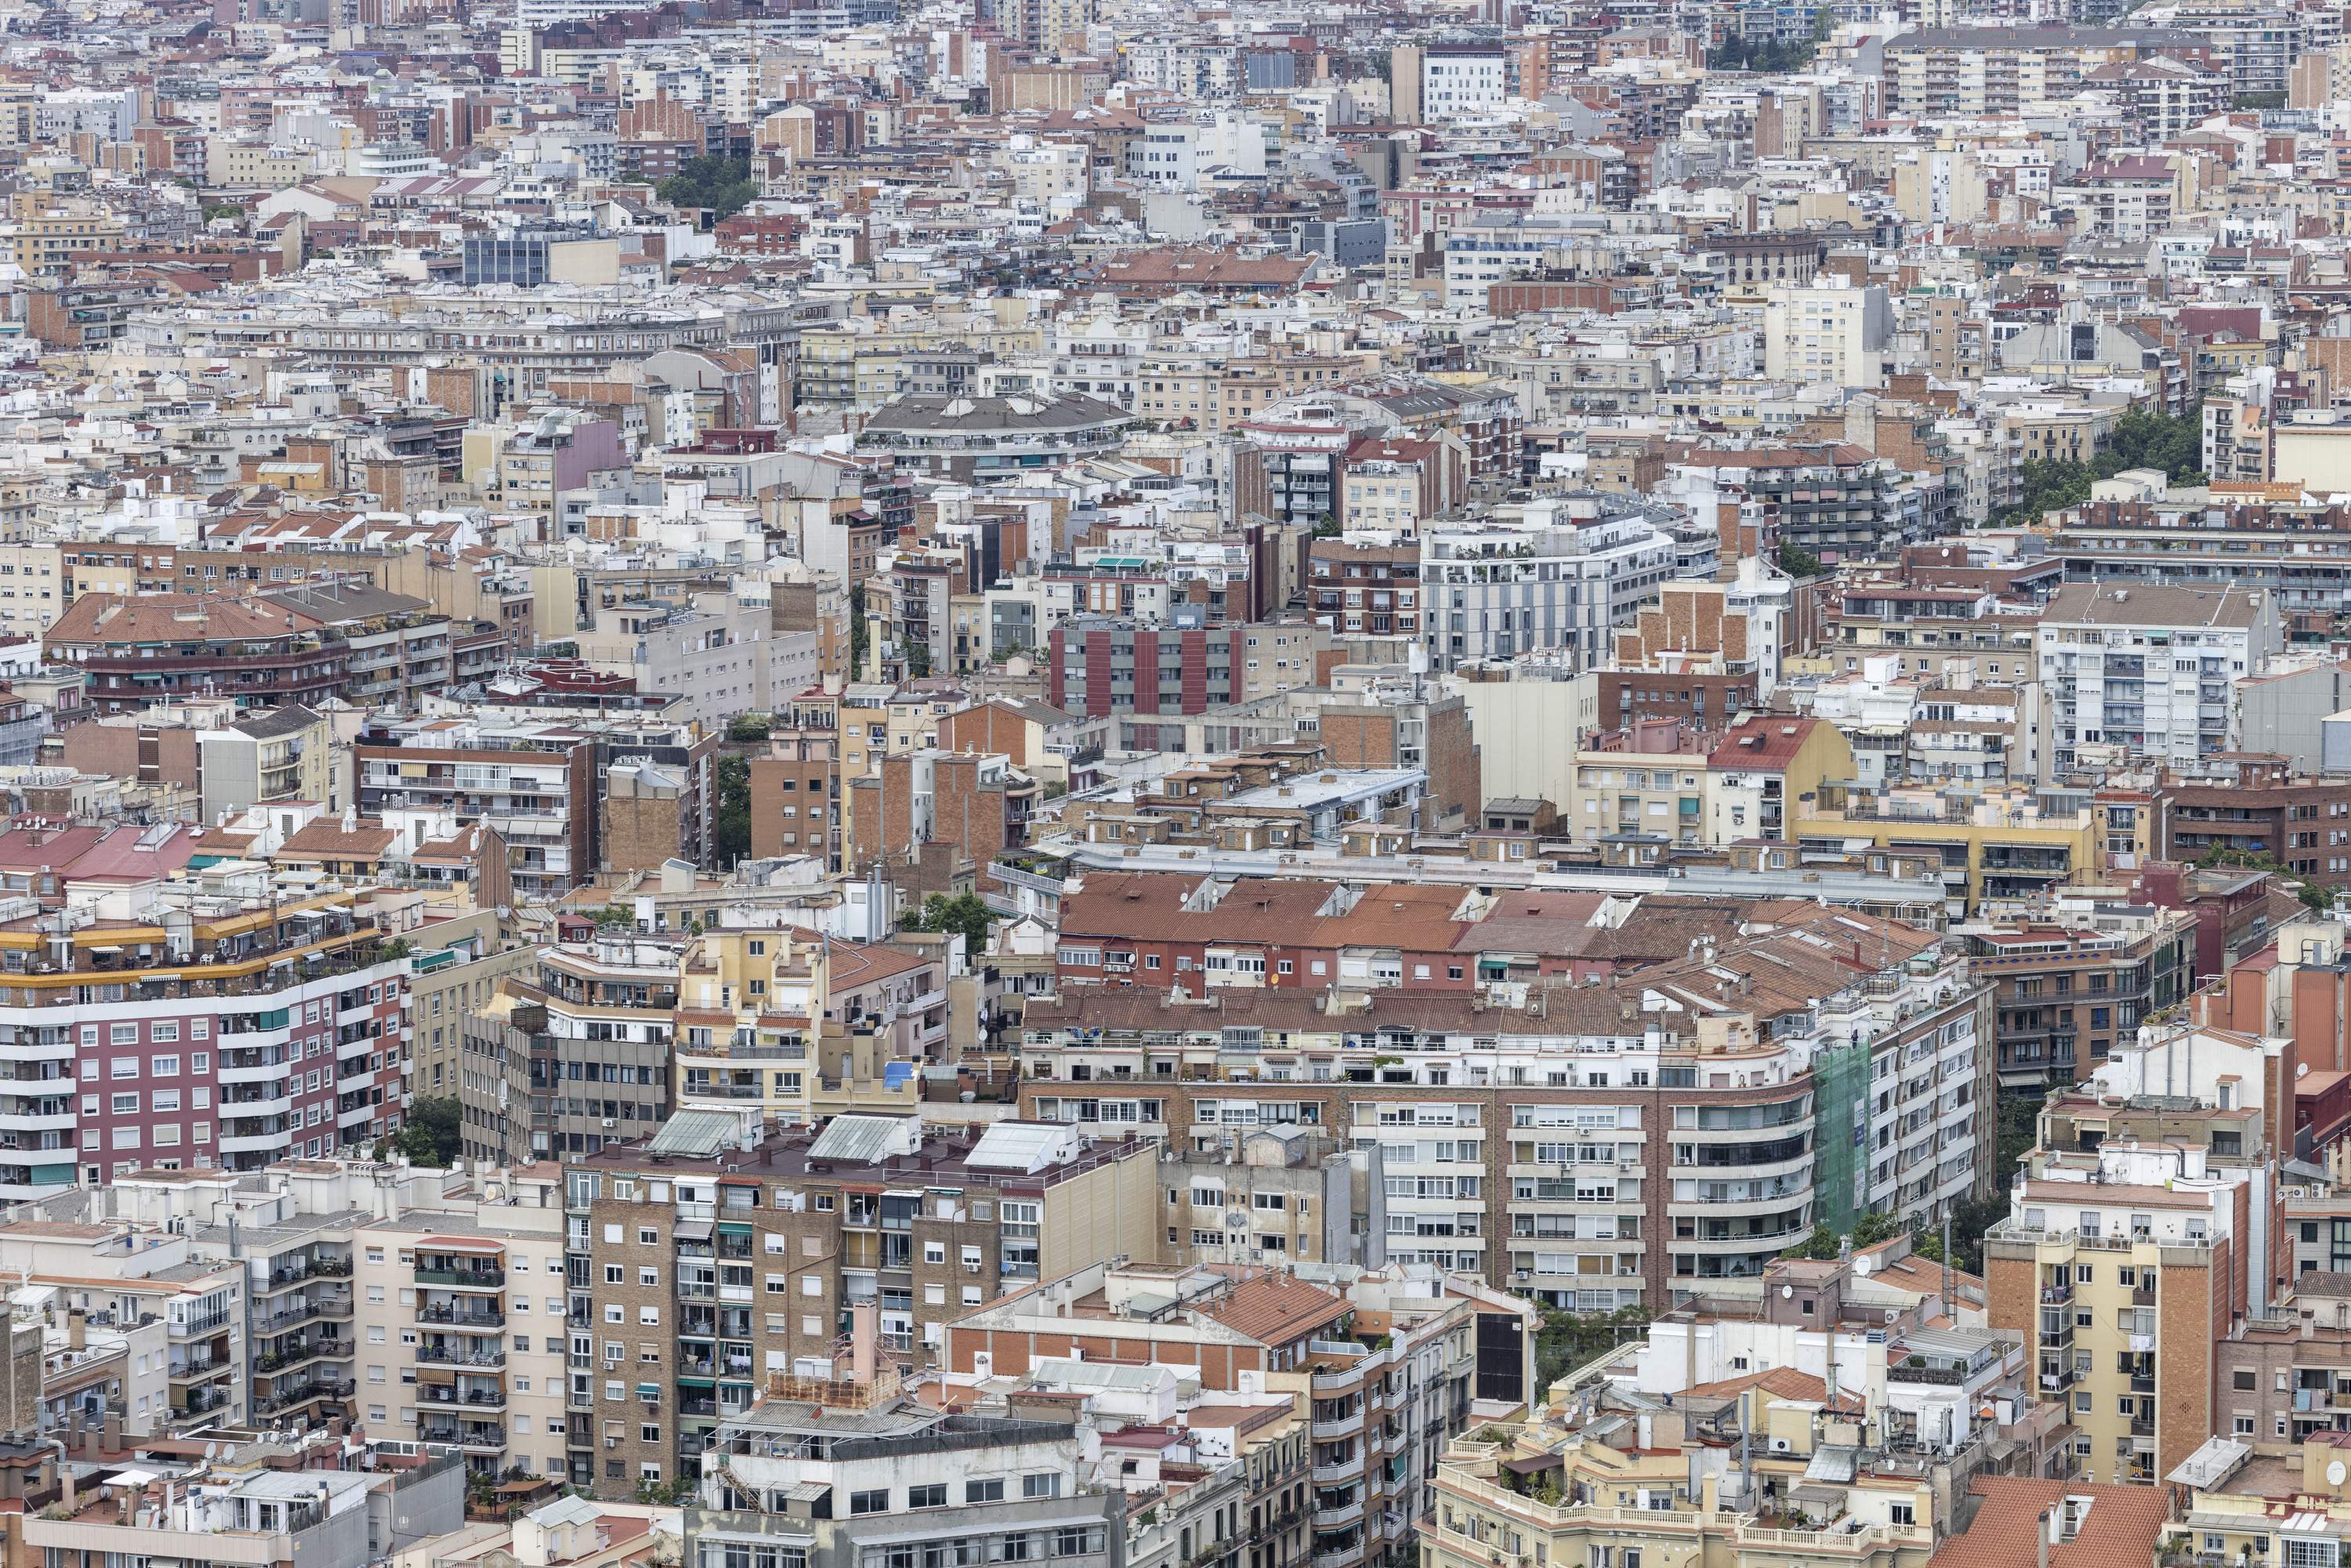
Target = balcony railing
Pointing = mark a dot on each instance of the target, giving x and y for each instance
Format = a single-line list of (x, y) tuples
[(468, 1278)]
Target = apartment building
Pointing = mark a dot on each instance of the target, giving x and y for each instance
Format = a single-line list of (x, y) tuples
[(216, 646), (2150, 672), (720, 1252), (849, 1470), (532, 784), (1594, 1500), (246, 1505), (453, 976), (2261, 806), (1272, 1196), (1826, 330), (2067, 991), (2121, 1269), (463, 1311), (1564, 578), (1976, 71), (1590, 1147), (591, 1023), (1393, 1366), (176, 1032), (123, 1277), (1998, 848), (803, 1029), (1366, 588)]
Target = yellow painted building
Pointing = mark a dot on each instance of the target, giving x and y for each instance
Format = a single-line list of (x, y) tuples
[(45, 235), (1539, 1496), (802, 1028), (1995, 847)]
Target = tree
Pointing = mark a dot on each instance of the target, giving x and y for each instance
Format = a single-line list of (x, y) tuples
[(1872, 1228), (857, 633), (966, 914), (1567, 1340), (731, 833), (1798, 561), (2319, 900), (747, 726), (916, 657), (434, 1132), (722, 185), (2139, 440), (665, 1494), (1326, 526), (1822, 1243)]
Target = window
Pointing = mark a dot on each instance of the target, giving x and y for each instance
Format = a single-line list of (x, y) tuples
[(2241, 1378), (991, 1490), (165, 1066), (869, 1502), (934, 1495), (1047, 1484)]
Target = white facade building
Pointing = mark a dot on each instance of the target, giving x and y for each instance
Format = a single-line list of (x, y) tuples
[(1826, 330), (1562, 577), (2150, 672)]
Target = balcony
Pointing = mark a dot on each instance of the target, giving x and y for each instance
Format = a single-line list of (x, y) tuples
[(462, 1278), (486, 1400), (308, 1394), (475, 1318), (313, 1310), (446, 1355), (465, 1435), (287, 1358)]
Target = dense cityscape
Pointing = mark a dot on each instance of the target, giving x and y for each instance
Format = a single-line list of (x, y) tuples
[(1094, 783)]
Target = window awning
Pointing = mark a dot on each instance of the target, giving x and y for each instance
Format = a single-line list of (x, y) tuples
[(462, 1244)]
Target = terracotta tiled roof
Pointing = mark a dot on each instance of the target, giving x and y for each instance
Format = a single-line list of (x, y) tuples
[(2121, 1527), (1276, 1308)]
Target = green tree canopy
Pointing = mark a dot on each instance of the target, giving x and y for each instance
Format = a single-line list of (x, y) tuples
[(434, 1133), (966, 914), (722, 185), (2139, 440), (731, 830), (1798, 561)]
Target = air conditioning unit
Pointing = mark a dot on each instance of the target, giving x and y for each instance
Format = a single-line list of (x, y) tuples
[(611, 1442), (609, 1123), (611, 1367)]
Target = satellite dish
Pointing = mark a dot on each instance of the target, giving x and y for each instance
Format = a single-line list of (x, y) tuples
[(2334, 1473), (1786, 1292)]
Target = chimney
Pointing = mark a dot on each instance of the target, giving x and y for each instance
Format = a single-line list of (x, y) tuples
[(76, 1329), (2048, 1523), (861, 1320)]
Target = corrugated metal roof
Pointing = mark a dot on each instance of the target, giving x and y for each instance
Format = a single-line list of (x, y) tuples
[(1834, 1463), (1024, 1146), (696, 1134), (862, 1140)]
